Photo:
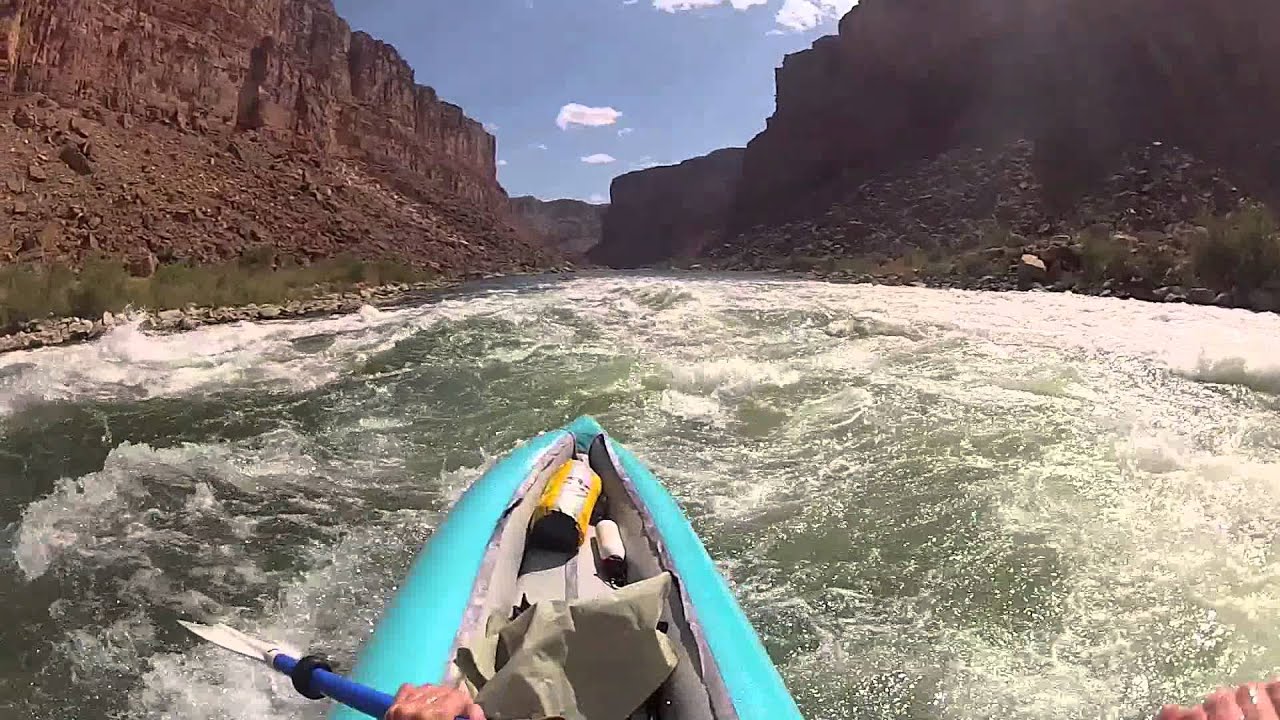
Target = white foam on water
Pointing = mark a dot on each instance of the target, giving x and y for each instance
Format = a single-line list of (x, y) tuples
[(130, 364), (729, 376), (329, 608), (1259, 370), (691, 407)]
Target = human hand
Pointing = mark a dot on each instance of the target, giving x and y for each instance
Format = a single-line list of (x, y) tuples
[(430, 702), (1254, 701)]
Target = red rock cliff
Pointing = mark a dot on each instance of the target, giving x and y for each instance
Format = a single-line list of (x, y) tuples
[(674, 211), (289, 67), (908, 79)]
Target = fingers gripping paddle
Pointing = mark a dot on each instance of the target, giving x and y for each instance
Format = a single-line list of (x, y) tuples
[(312, 676)]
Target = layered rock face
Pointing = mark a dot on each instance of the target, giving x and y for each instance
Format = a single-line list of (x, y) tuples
[(669, 212), (193, 130), (1082, 79), (292, 66), (572, 226)]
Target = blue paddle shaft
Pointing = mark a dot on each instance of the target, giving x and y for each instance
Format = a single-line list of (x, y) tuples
[(371, 702), (358, 697)]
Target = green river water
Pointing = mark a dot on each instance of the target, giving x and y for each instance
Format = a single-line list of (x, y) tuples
[(931, 504)]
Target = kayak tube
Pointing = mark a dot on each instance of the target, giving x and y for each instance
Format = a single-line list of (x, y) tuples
[(481, 559)]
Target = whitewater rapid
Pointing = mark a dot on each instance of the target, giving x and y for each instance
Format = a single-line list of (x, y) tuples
[(933, 504)]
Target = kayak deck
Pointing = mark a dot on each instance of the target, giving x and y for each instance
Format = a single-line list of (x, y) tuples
[(521, 574), (549, 575)]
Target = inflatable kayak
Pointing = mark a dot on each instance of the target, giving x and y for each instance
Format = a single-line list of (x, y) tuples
[(568, 580)]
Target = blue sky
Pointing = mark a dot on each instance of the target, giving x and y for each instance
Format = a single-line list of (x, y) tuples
[(657, 81)]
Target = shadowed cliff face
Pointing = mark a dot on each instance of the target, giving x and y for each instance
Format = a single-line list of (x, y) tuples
[(669, 212), (905, 81), (909, 79), (292, 67)]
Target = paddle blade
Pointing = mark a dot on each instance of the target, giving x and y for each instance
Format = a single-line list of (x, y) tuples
[(233, 640)]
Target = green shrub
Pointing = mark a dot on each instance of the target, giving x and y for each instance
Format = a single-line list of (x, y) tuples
[(973, 265), (102, 285), (992, 233), (859, 264), (1101, 257), (1241, 252), (31, 292), (259, 256)]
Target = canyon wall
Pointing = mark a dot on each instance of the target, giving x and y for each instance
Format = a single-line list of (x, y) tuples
[(905, 80), (195, 131), (674, 211), (289, 67)]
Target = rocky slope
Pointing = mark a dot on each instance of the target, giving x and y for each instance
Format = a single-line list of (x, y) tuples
[(571, 226), (1082, 79), (977, 218), (668, 212), (182, 129)]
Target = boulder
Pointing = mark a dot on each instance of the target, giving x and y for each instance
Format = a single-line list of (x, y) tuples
[(1062, 258), (1031, 270), (75, 159), (24, 118), (80, 126), (1201, 296), (170, 317)]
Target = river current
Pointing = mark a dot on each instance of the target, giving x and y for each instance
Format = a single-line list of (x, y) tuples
[(931, 504)]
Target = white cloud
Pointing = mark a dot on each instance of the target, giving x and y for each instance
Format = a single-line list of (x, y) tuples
[(502, 163), (539, 146), (576, 114), (801, 15), (625, 131), (679, 5), (794, 15), (599, 159), (645, 163), (490, 128), (630, 2), (597, 199)]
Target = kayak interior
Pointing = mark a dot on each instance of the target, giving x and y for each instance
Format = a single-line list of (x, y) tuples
[(519, 572)]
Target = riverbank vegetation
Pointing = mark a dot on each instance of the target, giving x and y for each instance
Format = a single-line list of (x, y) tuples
[(31, 291)]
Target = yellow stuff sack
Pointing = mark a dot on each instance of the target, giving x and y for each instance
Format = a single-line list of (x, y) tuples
[(563, 513)]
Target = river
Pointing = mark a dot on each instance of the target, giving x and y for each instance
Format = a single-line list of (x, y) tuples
[(932, 504)]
